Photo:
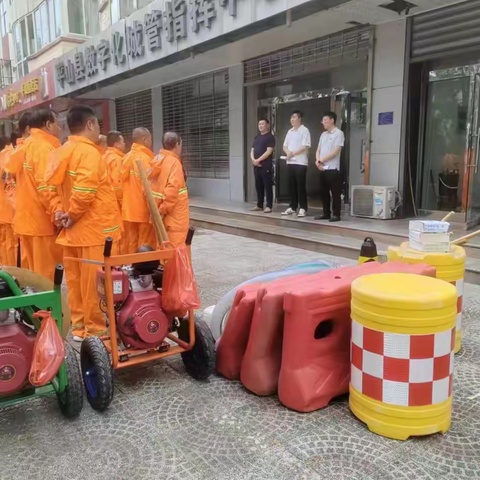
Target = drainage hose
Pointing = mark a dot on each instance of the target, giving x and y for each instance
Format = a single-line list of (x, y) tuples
[(221, 311)]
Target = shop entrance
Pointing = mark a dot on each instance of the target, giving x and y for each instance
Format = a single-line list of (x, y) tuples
[(449, 171)]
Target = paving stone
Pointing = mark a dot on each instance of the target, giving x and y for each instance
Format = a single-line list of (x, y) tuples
[(164, 425)]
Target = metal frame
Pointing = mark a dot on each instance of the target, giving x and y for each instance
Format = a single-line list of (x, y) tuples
[(136, 356), (52, 301)]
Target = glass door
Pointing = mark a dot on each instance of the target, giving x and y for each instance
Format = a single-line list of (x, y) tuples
[(446, 139), (472, 173)]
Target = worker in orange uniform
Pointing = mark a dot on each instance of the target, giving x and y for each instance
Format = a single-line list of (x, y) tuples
[(91, 215), (167, 180), (34, 221), (113, 158), (8, 244), (102, 144), (136, 216)]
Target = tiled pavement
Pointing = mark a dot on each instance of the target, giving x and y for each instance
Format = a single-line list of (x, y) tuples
[(164, 425)]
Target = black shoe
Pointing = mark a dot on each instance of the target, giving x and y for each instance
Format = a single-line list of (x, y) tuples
[(323, 217), (335, 218)]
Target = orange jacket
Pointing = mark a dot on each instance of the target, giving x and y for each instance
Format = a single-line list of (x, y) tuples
[(27, 164), (134, 205), (167, 181), (78, 184), (6, 208), (113, 158)]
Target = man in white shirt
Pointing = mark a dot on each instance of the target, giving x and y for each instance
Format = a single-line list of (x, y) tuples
[(296, 146), (328, 162)]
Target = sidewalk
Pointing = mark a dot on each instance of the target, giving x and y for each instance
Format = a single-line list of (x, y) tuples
[(164, 425)]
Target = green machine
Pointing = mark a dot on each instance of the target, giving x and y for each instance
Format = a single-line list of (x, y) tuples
[(22, 293)]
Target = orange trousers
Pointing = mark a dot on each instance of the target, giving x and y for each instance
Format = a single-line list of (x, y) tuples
[(42, 254), (136, 235), (8, 245), (83, 300)]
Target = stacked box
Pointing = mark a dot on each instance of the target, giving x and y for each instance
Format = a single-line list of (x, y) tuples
[(429, 236)]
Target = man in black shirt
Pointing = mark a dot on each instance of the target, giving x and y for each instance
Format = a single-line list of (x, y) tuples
[(261, 155)]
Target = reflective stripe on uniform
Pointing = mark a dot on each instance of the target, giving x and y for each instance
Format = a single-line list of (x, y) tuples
[(72, 174), (82, 189), (158, 195), (41, 188), (113, 229), (27, 166), (183, 190)]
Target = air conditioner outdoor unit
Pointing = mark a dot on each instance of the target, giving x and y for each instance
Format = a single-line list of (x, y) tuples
[(373, 202)]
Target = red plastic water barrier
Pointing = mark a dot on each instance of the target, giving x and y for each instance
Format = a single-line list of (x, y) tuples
[(316, 341), (233, 343), (263, 356)]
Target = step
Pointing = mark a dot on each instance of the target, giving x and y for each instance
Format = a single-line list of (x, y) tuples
[(388, 232), (317, 241)]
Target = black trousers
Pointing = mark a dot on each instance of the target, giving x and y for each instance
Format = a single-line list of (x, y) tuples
[(297, 176), (331, 181), (263, 185)]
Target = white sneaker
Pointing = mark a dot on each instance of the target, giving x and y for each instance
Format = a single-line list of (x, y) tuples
[(302, 213), (288, 211), (77, 339)]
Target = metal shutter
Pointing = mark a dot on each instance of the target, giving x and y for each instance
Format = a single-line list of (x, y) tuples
[(308, 56), (448, 31), (134, 111), (197, 109)]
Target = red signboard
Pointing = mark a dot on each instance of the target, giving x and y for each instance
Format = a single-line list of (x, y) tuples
[(33, 89)]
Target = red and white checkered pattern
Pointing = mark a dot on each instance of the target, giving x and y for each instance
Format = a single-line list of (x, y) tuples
[(400, 369), (459, 284)]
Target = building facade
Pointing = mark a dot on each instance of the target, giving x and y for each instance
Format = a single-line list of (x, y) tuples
[(210, 68)]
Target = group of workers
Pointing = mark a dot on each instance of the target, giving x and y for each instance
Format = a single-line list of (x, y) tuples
[(61, 202)]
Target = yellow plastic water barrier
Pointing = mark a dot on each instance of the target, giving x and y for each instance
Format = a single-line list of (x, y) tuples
[(450, 267), (403, 339)]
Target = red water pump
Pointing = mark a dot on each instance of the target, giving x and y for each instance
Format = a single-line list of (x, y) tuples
[(141, 321)]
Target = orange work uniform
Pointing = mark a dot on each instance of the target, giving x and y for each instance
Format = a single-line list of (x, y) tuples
[(136, 216), (33, 219), (113, 159), (8, 242), (79, 185), (167, 180)]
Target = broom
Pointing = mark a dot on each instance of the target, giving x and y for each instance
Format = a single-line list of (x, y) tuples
[(157, 221)]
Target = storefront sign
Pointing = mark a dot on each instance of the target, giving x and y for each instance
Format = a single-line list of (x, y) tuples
[(162, 28), (33, 89)]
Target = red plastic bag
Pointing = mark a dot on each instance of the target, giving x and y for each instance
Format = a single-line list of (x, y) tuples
[(48, 352), (179, 289)]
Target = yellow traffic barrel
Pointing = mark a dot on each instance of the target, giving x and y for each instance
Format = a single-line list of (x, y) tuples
[(403, 339), (450, 267)]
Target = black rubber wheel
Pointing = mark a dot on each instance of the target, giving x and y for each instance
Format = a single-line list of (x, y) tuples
[(71, 400), (97, 373), (200, 361)]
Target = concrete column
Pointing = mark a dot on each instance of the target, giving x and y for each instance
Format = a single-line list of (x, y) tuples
[(236, 119), (157, 113), (387, 99)]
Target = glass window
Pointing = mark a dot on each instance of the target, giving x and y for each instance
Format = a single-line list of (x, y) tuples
[(143, 3), (38, 26), (19, 71), (51, 19), (58, 18), (92, 17), (25, 67), (115, 11), (3, 19), (23, 30), (127, 7), (31, 34), (45, 27), (18, 43), (76, 20)]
